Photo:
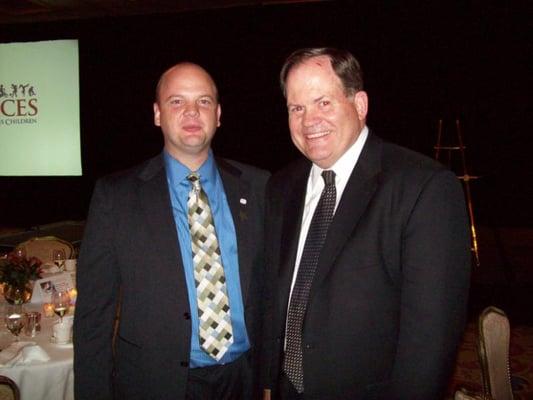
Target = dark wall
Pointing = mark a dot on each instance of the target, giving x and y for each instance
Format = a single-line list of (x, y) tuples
[(422, 63)]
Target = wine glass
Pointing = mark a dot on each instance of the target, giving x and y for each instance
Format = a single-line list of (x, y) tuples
[(15, 319), (60, 302), (58, 258)]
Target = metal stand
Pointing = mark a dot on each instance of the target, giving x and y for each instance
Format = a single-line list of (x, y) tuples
[(465, 178)]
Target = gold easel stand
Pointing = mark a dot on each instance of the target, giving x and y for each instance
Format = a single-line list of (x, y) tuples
[(465, 178)]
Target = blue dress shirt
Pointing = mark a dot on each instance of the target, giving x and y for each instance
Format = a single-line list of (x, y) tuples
[(179, 188)]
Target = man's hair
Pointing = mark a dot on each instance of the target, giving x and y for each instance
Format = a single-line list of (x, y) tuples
[(162, 76), (344, 64)]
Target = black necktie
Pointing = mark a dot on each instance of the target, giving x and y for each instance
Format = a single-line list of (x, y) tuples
[(293, 361)]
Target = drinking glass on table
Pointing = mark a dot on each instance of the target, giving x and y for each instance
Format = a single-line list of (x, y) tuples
[(60, 302), (15, 319), (58, 258)]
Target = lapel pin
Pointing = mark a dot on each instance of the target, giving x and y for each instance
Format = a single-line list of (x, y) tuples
[(243, 201)]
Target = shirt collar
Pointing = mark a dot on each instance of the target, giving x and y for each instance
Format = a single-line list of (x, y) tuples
[(178, 172), (344, 166)]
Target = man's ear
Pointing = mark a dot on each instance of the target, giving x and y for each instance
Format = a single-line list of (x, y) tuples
[(361, 104), (219, 113), (157, 115)]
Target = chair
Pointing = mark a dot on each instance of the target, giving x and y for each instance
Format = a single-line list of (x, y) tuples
[(41, 247), (8, 389), (463, 394), (493, 349)]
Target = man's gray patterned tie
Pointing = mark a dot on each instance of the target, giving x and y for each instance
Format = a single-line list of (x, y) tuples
[(293, 361), (216, 333)]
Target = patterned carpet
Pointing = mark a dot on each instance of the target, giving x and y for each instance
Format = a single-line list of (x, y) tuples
[(468, 371)]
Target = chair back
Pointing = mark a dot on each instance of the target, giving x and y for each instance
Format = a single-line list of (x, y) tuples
[(8, 389), (463, 394), (493, 348), (42, 247)]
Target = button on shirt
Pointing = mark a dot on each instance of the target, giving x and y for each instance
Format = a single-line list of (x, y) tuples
[(179, 188)]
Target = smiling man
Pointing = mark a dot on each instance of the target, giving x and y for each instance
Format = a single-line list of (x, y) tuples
[(368, 251), (174, 247)]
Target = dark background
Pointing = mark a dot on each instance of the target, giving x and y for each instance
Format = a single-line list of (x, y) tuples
[(423, 62)]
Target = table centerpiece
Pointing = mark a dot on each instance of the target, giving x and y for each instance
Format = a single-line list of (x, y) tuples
[(17, 274)]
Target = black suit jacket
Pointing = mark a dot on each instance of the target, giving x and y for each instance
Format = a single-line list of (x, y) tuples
[(130, 259), (388, 301)]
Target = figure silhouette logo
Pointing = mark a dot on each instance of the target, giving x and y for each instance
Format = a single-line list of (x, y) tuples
[(18, 103)]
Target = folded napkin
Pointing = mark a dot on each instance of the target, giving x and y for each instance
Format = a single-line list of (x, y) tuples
[(18, 353)]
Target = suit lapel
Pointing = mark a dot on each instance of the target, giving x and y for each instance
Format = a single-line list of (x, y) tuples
[(155, 200), (238, 194), (290, 231), (360, 189)]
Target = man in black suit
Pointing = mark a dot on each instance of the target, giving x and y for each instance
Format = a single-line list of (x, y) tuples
[(368, 251), (188, 295)]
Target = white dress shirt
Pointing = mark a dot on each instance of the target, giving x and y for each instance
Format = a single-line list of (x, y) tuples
[(315, 184)]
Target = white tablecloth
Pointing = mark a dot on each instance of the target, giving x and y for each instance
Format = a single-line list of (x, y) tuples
[(51, 380)]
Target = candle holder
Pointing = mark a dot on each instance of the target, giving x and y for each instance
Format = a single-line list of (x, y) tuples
[(48, 310)]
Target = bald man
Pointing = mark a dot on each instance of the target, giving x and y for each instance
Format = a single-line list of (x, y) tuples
[(174, 246)]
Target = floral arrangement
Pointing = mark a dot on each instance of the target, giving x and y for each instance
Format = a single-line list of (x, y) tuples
[(16, 270)]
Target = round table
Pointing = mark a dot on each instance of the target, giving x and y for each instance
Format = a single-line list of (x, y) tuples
[(51, 380)]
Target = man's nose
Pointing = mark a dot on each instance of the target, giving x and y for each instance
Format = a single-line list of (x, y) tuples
[(191, 109), (310, 117)]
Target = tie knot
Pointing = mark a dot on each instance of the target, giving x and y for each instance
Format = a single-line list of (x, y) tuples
[(194, 178), (329, 177)]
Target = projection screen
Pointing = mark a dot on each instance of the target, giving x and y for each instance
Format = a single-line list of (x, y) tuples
[(39, 109)]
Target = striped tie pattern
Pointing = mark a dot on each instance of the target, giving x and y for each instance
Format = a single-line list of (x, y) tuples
[(216, 333), (293, 361)]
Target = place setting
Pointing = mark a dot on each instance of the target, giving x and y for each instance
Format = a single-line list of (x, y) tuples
[(59, 263), (18, 321), (26, 343), (62, 329)]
